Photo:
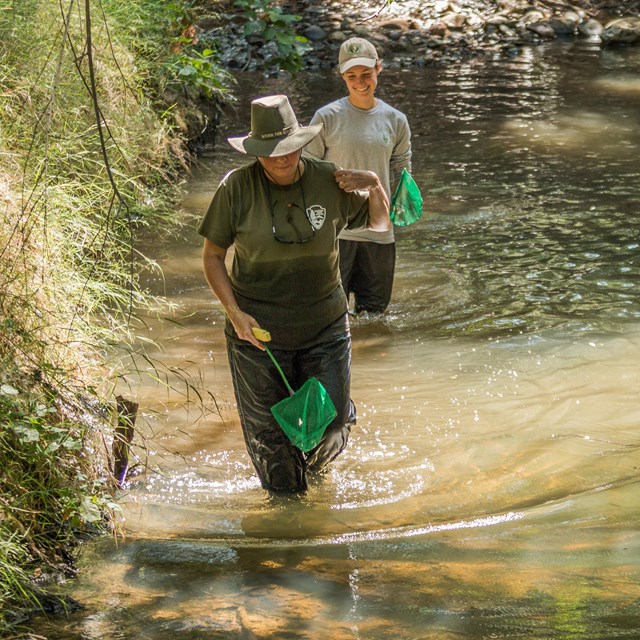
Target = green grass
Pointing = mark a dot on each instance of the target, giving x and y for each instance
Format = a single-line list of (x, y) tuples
[(89, 153)]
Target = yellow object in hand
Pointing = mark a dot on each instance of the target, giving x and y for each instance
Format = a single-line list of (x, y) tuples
[(262, 334)]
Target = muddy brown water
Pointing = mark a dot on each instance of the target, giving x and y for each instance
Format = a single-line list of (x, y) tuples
[(490, 488)]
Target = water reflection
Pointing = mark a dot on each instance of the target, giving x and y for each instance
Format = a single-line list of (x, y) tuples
[(490, 487)]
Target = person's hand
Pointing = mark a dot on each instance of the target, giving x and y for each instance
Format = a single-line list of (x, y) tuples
[(355, 180), (243, 324)]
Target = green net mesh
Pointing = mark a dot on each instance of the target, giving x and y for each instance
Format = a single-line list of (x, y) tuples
[(306, 414), (406, 204)]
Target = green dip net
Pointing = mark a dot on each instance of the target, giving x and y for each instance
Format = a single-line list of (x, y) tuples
[(406, 204), (306, 413)]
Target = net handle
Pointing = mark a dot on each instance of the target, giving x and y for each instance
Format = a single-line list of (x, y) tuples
[(280, 371)]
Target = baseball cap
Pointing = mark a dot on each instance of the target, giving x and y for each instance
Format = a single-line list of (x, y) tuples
[(357, 51)]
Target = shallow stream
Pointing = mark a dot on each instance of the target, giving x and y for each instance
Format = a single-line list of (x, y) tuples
[(489, 488)]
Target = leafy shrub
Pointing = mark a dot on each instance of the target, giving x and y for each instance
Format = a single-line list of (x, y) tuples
[(269, 23)]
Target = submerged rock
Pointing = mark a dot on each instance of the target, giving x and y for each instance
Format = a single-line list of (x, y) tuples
[(590, 29), (620, 32)]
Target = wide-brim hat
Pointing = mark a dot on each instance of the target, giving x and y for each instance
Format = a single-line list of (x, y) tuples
[(275, 130)]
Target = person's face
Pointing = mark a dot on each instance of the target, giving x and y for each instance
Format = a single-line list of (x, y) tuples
[(282, 168), (361, 81)]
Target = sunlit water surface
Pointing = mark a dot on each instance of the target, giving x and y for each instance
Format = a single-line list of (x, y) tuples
[(489, 488)]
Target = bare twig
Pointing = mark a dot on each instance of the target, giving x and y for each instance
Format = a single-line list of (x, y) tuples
[(382, 7)]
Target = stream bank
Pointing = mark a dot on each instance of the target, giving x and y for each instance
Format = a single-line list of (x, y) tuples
[(414, 33)]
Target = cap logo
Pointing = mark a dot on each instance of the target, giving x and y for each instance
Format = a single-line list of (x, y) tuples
[(354, 48)]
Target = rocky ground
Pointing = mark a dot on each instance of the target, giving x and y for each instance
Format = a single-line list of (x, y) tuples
[(405, 32), (431, 32)]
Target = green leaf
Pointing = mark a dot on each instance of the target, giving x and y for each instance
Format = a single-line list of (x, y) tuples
[(187, 71), (52, 447), (274, 14), (255, 27), (287, 18), (89, 511), (26, 433), (285, 38), (73, 444), (8, 390), (269, 33)]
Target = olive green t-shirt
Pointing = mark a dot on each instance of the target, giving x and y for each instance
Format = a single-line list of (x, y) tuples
[(290, 285)]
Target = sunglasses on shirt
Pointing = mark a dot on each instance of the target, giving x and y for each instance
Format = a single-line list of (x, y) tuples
[(290, 223)]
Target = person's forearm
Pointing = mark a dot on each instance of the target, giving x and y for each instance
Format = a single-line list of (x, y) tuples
[(379, 208), (215, 272), (352, 180)]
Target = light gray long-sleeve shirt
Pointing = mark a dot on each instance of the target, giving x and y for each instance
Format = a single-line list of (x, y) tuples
[(377, 139)]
